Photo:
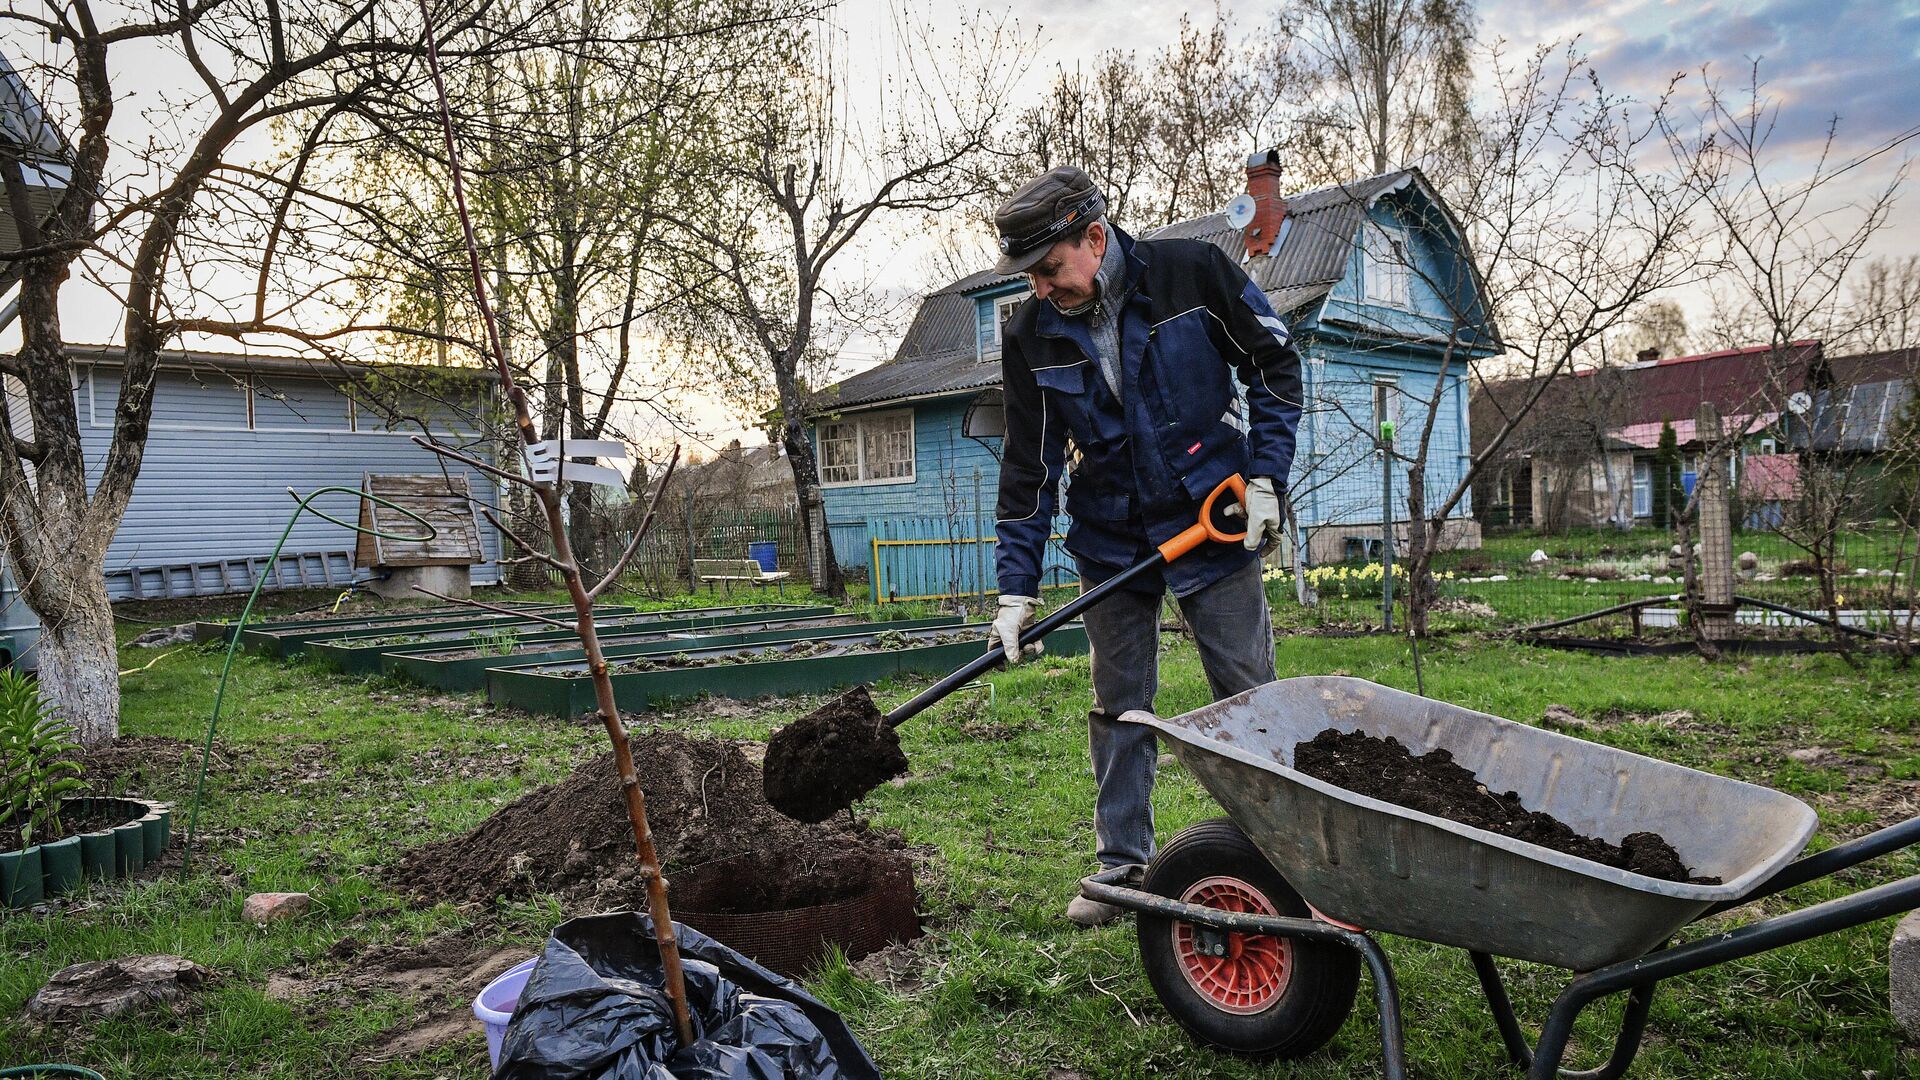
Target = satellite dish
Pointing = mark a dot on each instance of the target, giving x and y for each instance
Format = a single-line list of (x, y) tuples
[(1240, 211), (1800, 403)]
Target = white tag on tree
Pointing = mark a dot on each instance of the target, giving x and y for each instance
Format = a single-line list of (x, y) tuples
[(547, 461)]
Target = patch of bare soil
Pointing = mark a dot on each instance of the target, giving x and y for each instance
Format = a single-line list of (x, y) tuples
[(705, 806), (133, 764), (441, 976)]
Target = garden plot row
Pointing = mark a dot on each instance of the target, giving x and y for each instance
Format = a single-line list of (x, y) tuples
[(747, 671), (363, 653), (522, 659), (465, 668)]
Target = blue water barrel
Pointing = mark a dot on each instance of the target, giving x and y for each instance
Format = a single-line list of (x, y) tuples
[(765, 552)]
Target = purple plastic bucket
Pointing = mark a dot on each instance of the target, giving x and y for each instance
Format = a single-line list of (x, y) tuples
[(493, 1006)]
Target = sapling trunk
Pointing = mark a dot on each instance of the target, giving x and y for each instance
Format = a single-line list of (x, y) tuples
[(548, 494)]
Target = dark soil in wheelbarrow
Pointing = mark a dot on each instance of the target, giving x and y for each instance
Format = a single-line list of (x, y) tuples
[(1434, 784), (705, 806)]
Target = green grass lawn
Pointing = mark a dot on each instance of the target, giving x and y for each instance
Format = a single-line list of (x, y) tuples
[(324, 779)]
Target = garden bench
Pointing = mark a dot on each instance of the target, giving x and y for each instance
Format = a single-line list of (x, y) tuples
[(732, 570)]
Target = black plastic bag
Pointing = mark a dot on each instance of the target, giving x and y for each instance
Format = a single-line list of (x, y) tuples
[(594, 1009)]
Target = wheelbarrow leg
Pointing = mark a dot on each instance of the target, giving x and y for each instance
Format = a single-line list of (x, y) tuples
[(1633, 1027)]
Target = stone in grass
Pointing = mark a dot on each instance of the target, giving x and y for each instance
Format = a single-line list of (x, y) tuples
[(266, 907), (1903, 973), (99, 989)]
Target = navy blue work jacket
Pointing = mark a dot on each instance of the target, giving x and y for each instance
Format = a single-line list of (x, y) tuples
[(1191, 321)]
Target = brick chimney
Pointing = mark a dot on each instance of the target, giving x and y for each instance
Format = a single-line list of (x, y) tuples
[(1648, 356), (1269, 208)]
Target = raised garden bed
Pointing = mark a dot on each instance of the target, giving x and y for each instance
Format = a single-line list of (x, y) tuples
[(364, 655), (749, 671), (223, 631), (289, 641), (108, 838), (466, 669)]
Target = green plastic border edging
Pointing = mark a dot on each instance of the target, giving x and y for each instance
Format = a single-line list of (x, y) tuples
[(342, 654), (223, 631), (292, 641), (552, 694), (113, 852), (470, 672)]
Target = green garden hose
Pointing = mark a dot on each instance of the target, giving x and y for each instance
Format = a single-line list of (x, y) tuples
[(233, 642), (51, 1070)]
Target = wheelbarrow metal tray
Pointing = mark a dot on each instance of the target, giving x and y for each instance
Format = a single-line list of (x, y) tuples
[(1400, 871)]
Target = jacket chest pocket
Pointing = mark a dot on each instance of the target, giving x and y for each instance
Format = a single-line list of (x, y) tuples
[(1189, 376), (1064, 390)]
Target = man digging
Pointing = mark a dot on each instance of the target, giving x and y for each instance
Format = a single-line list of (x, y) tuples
[(1126, 352)]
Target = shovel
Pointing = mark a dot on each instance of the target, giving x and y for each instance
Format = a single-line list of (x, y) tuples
[(824, 761)]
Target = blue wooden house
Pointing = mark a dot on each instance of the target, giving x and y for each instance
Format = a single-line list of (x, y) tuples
[(1378, 284), (232, 433)]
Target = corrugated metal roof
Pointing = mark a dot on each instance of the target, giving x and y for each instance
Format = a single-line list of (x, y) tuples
[(938, 353)]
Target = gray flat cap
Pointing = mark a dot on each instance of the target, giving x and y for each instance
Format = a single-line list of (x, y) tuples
[(1042, 212)]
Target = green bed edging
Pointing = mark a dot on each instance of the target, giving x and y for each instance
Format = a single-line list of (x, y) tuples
[(290, 641), (470, 672), (346, 654), (207, 630), (547, 690), (34, 873)]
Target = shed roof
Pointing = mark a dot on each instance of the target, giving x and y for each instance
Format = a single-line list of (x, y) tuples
[(939, 355)]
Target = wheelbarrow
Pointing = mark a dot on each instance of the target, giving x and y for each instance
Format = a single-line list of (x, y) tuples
[(1250, 925)]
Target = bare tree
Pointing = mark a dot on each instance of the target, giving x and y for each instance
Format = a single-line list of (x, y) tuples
[(1784, 256), (158, 216), (805, 181), (1572, 229), (1394, 76), (1164, 135)]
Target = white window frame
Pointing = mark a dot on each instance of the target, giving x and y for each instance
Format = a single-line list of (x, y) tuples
[(860, 422), (1384, 403), (1768, 446), (990, 350), (1386, 276), (1642, 487)]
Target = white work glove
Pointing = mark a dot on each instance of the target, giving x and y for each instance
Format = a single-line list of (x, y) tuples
[(1263, 513), (1016, 614)]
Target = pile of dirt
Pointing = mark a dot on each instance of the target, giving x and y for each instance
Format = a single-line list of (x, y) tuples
[(1433, 784), (711, 825)]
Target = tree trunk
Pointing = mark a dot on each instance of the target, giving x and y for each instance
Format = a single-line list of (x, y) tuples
[(1420, 590), (822, 567), (80, 662)]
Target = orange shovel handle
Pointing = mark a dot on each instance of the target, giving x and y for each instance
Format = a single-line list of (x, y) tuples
[(1204, 530)]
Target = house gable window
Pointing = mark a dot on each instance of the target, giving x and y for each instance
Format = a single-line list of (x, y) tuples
[(868, 448), (1386, 272), (993, 313), (1386, 402)]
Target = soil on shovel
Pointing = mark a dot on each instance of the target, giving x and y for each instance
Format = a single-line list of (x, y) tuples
[(709, 821), (1433, 784), (826, 760)]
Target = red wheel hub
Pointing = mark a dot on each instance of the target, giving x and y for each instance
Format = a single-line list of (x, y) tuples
[(1254, 972)]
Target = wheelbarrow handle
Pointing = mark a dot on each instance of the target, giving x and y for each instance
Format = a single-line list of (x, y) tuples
[(1189, 538)]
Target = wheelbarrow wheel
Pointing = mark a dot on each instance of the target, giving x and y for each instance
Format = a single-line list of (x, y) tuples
[(1251, 994)]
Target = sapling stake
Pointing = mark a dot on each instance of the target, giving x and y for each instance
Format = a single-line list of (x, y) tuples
[(548, 494)]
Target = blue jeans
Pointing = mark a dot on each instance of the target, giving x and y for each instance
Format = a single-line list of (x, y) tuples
[(1234, 630)]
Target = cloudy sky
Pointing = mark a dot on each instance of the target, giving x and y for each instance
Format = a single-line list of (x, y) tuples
[(1822, 59)]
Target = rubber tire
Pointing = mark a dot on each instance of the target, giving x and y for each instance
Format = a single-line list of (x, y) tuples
[(1325, 977)]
